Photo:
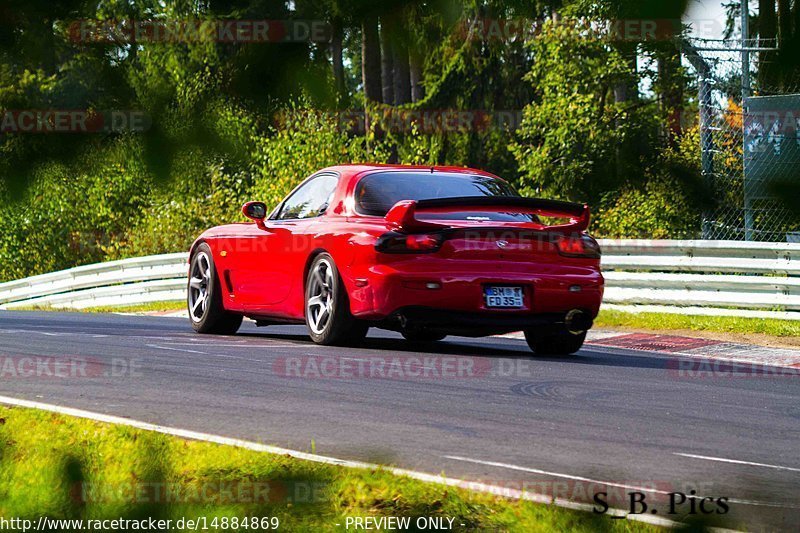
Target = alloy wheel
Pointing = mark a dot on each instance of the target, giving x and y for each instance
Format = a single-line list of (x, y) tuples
[(320, 296), (199, 283)]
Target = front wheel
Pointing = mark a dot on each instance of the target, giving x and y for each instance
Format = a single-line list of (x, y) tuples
[(328, 317), (559, 344), (204, 297)]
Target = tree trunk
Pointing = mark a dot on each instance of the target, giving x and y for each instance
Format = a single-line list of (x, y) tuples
[(796, 8), (370, 58), (336, 60), (387, 60), (415, 76), (669, 75), (785, 40), (784, 21), (48, 47), (767, 31), (628, 90), (402, 74)]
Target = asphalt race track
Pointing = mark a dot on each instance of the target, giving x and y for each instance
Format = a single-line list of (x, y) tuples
[(483, 410)]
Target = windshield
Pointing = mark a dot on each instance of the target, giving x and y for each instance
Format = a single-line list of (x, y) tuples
[(376, 193)]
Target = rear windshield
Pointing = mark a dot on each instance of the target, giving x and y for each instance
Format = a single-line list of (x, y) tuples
[(376, 193)]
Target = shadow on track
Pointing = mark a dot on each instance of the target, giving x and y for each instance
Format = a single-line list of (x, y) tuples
[(486, 347)]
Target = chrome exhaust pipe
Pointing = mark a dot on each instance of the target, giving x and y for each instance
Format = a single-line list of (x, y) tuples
[(577, 321)]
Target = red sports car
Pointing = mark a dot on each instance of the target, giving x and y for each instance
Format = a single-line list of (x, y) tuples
[(428, 252)]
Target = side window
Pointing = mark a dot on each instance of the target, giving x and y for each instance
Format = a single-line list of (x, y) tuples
[(309, 200)]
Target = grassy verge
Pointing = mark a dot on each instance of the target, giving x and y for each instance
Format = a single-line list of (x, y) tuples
[(720, 324), (63, 467), (138, 308)]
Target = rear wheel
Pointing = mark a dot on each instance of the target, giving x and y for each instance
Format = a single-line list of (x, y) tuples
[(554, 344), (204, 297), (422, 335), (328, 315)]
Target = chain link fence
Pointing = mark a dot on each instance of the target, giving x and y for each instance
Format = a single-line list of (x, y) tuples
[(750, 139)]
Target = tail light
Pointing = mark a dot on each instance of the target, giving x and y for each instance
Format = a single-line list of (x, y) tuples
[(413, 243), (578, 246)]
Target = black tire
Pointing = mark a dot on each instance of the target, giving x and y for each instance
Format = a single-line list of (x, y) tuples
[(422, 335), (209, 316), (555, 344), (336, 326)]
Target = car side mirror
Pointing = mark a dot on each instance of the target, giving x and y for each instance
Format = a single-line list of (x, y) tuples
[(256, 211)]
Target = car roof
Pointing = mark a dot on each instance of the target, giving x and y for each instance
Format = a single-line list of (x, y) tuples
[(353, 170)]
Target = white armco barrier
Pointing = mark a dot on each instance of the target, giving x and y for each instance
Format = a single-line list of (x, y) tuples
[(134, 281), (720, 277), (696, 277)]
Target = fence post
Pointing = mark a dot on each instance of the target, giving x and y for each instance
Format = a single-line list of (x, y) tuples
[(748, 212), (706, 105), (706, 146)]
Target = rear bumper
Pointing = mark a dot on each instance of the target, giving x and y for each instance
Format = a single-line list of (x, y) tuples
[(482, 324), (442, 295)]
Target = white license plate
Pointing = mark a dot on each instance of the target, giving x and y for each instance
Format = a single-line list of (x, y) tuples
[(503, 296)]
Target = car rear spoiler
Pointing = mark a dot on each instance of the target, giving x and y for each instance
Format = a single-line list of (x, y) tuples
[(403, 215)]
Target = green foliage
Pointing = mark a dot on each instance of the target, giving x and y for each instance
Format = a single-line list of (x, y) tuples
[(215, 140), (575, 142), (656, 211), (667, 205), (72, 214), (301, 142), (202, 195)]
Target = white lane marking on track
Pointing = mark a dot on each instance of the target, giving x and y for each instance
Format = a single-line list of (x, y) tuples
[(599, 482), (736, 461), (218, 355), (85, 333), (47, 333), (174, 349), (215, 345), (420, 476)]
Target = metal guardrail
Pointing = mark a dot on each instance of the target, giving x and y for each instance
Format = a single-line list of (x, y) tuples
[(126, 282), (719, 276), (712, 274)]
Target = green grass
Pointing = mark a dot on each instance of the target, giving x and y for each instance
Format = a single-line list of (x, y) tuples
[(722, 324), (64, 467), (138, 308)]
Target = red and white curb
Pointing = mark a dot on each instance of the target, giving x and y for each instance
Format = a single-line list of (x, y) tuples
[(707, 349), (691, 347)]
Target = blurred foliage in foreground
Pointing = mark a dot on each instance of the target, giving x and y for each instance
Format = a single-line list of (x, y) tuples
[(229, 122), (69, 468)]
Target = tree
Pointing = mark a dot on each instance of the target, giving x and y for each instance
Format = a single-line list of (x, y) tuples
[(402, 68), (371, 58), (387, 60), (767, 33)]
